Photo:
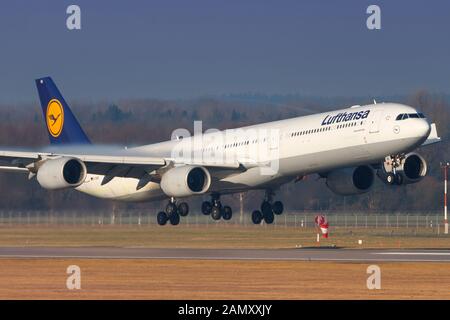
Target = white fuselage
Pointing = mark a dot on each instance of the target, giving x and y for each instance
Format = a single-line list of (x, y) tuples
[(316, 143)]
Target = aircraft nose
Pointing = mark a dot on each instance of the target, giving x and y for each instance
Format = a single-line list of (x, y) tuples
[(423, 128)]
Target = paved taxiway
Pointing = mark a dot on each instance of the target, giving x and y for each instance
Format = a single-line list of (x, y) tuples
[(303, 254)]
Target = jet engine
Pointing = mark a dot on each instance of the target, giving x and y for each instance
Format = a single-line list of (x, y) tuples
[(350, 181), (185, 181), (61, 173), (410, 168)]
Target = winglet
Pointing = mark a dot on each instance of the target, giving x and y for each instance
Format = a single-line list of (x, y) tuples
[(433, 136), (61, 124)]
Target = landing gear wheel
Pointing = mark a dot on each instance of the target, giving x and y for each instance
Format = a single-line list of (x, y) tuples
[(183, 209), (174, 218), (277, 207), (227, 213), (390, 178), (206, 208), (268, 217), (257, 217), (398, 179), (216, 213), (162, 218), (171, 208), (266, 207)]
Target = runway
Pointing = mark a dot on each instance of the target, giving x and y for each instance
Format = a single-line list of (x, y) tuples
[(301, 254)]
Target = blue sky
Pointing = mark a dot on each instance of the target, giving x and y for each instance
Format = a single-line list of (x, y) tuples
[(182, 49)]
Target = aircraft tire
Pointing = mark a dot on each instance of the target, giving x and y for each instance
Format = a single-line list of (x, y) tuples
[(269, 217), (390, 178), (206, 208), (257, 217), (278, 207), (162, 218), (171, 208), (227, 213), (216, 213), (183, 209), (398, 179), (266, 207), (174, 218)]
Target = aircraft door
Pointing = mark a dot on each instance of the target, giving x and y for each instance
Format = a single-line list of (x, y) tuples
[(375, 122)]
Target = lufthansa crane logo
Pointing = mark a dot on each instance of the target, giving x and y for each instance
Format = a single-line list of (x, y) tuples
[(55, 117)]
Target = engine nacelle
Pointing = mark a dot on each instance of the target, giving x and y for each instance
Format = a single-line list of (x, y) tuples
[(350, 181), (185, 181), (412, 167), (61, 173)]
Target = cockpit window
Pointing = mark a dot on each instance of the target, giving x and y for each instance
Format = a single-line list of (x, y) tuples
[(404, 116)]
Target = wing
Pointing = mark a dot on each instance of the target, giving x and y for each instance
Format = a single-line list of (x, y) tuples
[(111, 165), (116, 165)]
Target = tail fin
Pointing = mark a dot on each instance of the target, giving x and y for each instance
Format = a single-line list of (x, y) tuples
[(62, 126)]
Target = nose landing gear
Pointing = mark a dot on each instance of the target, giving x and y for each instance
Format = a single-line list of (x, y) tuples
[(394, 177)]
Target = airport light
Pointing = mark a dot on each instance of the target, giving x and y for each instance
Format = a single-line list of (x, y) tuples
[(445, 167)]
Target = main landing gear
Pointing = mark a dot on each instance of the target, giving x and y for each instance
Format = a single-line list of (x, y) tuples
[(268, 209), (267, 212), (215, 208), (173, 213)]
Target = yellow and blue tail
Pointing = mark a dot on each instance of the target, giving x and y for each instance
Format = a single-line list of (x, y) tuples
[(62, 126)]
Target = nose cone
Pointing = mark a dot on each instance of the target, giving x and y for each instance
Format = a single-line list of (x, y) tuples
[(419, 130), (423, 128)]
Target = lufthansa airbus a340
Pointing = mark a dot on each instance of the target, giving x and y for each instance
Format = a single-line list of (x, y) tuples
[(347, 147)]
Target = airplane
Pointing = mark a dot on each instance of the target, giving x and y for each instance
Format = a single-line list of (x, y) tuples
[(348, 148)]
